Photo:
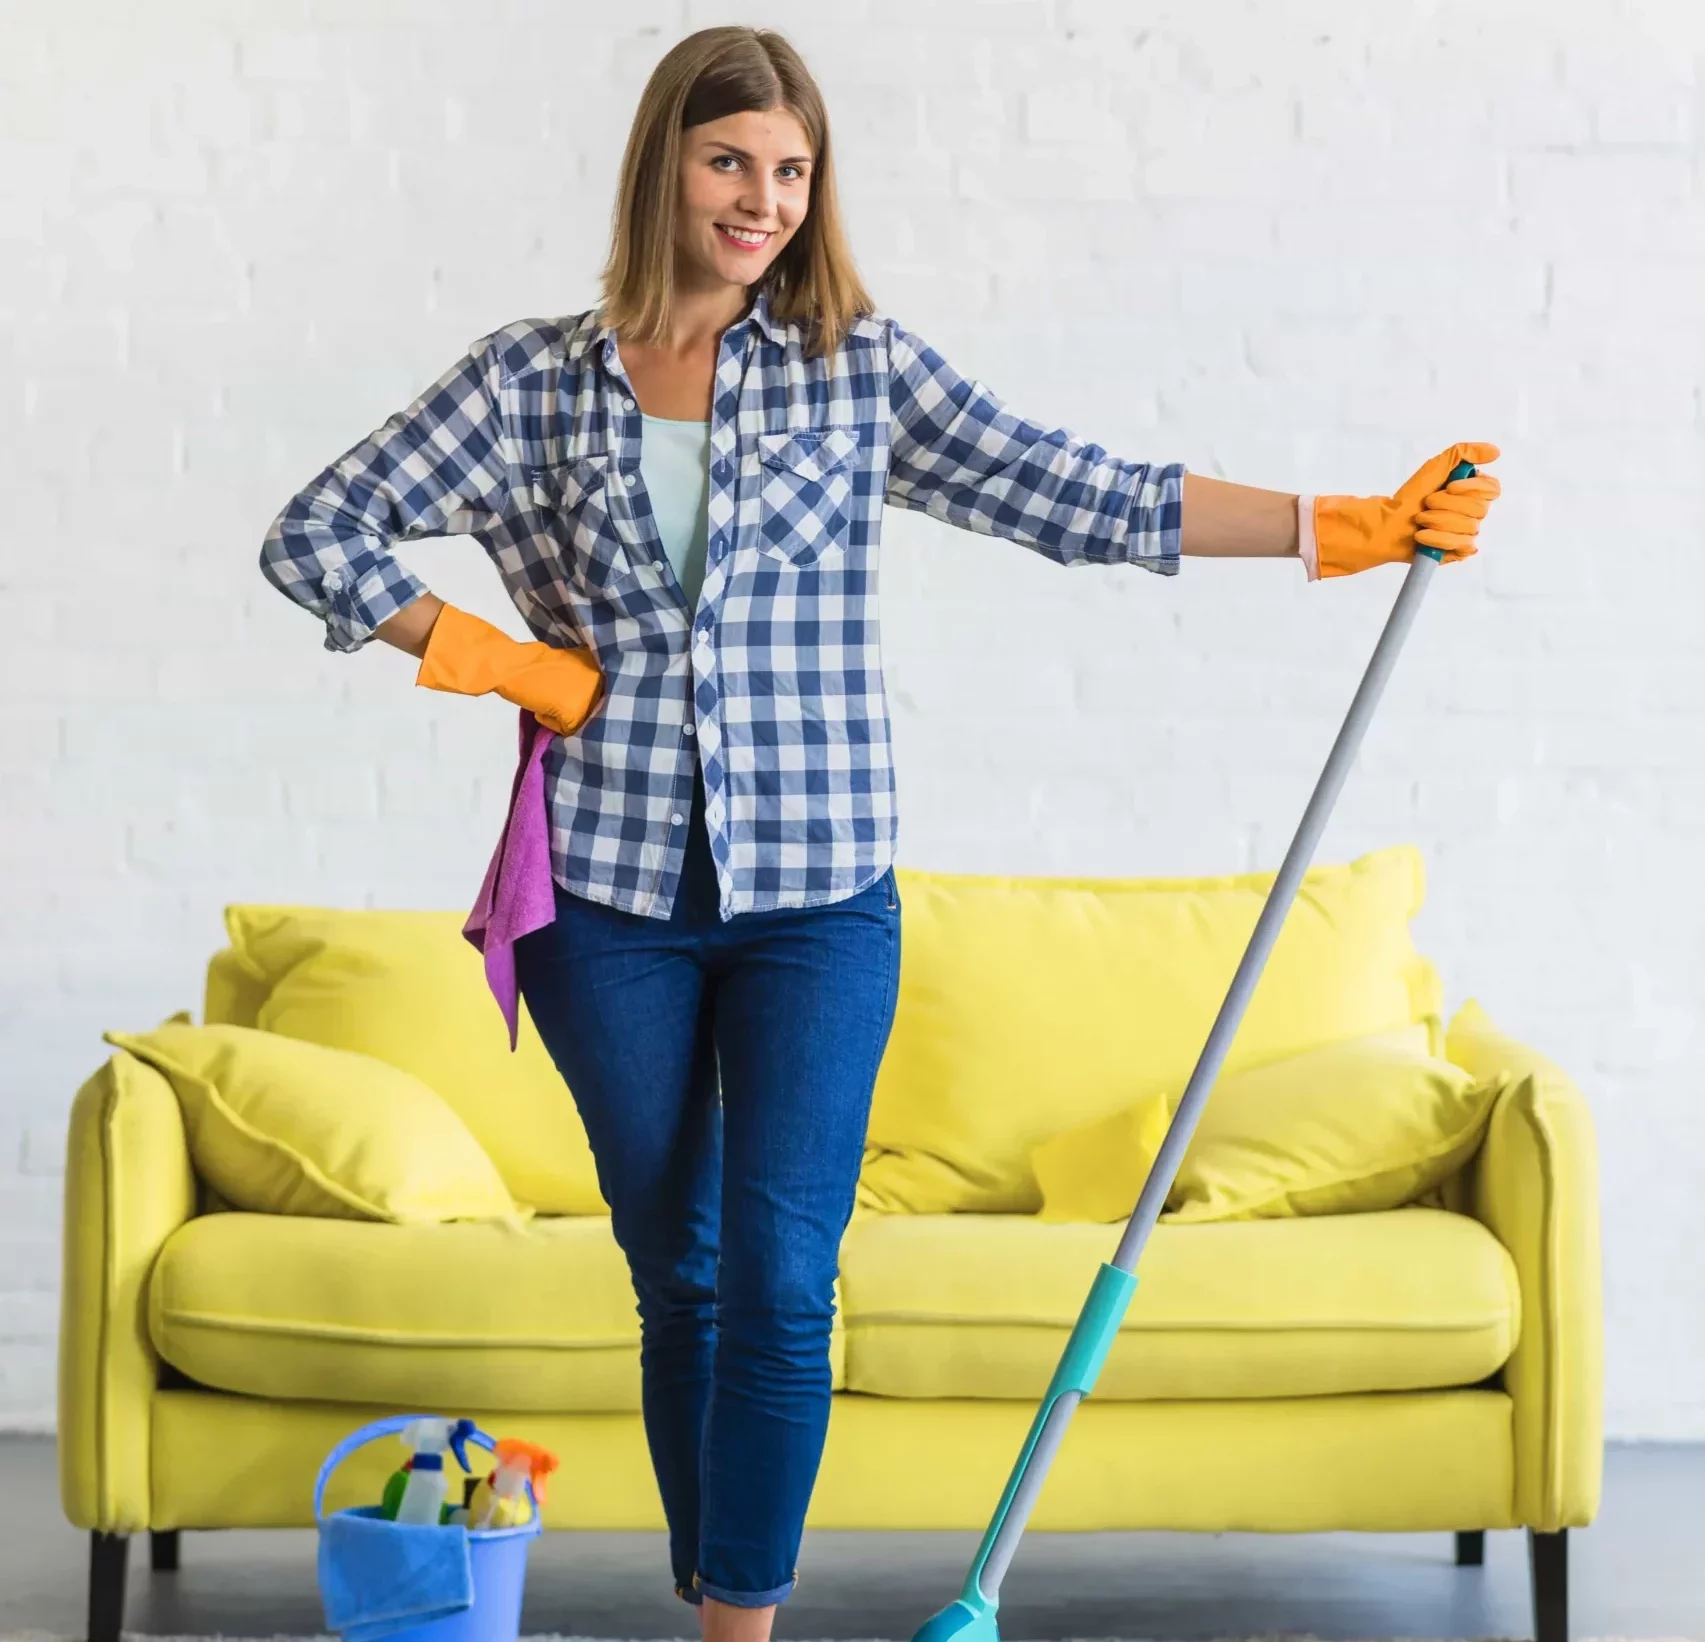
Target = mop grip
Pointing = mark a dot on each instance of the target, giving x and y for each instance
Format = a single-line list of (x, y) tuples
[(1462, 470)]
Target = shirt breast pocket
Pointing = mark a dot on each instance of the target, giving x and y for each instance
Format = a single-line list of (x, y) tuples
[(805, 500), (584, 510)]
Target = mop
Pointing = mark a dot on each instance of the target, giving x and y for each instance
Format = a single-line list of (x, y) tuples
[(971, 1617)]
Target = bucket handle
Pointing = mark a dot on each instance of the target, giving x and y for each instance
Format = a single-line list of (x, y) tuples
[(393, 1426)]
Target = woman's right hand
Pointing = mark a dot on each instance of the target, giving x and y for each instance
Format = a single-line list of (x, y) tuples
[(561, 688), (468, 656)]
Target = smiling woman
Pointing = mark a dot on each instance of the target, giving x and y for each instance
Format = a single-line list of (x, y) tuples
[(743, 191), (683, 489), (728, 180)]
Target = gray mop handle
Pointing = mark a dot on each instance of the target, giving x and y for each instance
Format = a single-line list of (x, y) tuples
[(1279, 898), (1183, 1125)]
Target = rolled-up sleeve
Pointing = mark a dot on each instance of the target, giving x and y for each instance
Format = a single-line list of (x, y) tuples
[(957, 453), (436, 468)]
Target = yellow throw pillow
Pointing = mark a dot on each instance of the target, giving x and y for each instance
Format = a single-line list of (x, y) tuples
[(1369, 1123), (1033, 1005), (279, 1126), (408, 989)]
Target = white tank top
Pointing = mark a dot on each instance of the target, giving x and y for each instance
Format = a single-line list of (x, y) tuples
[(674, 463)]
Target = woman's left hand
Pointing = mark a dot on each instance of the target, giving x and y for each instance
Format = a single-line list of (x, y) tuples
[(1431, 509)]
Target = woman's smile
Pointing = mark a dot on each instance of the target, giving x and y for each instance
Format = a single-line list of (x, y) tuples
[(745, 239)]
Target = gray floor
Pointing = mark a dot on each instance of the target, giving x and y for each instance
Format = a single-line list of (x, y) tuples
[(1638, 1572)]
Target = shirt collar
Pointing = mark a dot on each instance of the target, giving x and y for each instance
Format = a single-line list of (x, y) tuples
[(602, 335), (761, 316)]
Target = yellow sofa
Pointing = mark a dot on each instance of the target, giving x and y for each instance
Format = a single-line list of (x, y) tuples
[(1434, 1367)]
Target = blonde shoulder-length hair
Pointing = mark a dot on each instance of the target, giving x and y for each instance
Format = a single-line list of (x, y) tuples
[(710, 74)]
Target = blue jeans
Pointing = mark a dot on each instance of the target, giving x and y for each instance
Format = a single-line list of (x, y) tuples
[(730, 1210)]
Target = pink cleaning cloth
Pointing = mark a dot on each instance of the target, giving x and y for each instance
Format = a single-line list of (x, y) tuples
[(518, 895)]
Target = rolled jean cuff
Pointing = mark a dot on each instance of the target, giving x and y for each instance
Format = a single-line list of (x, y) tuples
[(746, 1599)]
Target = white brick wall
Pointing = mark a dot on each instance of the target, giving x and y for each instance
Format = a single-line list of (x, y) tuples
[(1301, 245)]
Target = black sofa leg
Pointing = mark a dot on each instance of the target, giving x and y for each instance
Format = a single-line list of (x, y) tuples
[(163, 1550), (1548, 1555), (108, 1554), (1471, 1549)]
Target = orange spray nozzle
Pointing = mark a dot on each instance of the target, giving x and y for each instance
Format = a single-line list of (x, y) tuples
[(539, 1462)]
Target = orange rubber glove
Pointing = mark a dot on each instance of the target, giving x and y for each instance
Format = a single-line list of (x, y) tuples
[(1354, 533), (469, 657)]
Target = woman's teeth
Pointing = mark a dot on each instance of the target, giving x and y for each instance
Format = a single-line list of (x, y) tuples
[(747, 238)]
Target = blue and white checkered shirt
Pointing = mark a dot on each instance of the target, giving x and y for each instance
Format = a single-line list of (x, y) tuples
[(530, 443)]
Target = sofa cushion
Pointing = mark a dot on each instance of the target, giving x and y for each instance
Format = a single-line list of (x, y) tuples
[(407, 988), (285, 1127), (462, 1315), (1367, 1123), (1029, 1006), (981, 1305)]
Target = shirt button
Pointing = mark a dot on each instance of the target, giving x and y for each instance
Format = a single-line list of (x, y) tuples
[(722, 470), (688, 730), (632, 480), (627, 404), (676, 820)]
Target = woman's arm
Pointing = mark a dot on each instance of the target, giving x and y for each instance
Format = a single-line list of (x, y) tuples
[(1339, 535), (410, 628), (1344, 534), (436, 468), (958, 454), (1225, 521)]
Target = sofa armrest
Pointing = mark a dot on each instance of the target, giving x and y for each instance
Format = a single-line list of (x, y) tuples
[(128, 1186), (1534, 1184)]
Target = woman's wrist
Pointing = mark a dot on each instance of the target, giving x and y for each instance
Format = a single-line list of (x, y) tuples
[(1307, 549), (411, 627)]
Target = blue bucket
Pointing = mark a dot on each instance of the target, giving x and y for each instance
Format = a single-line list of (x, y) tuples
[(497, 1557)]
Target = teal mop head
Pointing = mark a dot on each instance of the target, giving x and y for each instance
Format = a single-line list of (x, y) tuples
[(961, 1621)]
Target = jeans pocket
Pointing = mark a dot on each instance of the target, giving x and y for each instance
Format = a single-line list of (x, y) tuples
[(891, 890)]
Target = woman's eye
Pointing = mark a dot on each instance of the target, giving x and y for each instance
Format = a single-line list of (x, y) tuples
[(793, 173)]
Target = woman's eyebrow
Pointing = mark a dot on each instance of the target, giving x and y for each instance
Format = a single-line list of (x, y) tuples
[(792, 159)]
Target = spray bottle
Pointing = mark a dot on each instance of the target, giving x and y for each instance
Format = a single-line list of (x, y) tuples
[(501, 1500), (425, 1485)]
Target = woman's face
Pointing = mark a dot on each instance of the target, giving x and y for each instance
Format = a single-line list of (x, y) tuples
[(745, 186)]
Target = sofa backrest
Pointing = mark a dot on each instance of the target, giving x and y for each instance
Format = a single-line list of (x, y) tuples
[(1027, 1006), (1033, 1005)]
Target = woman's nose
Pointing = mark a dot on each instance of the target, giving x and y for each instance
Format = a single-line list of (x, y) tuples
[(759, 198)]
